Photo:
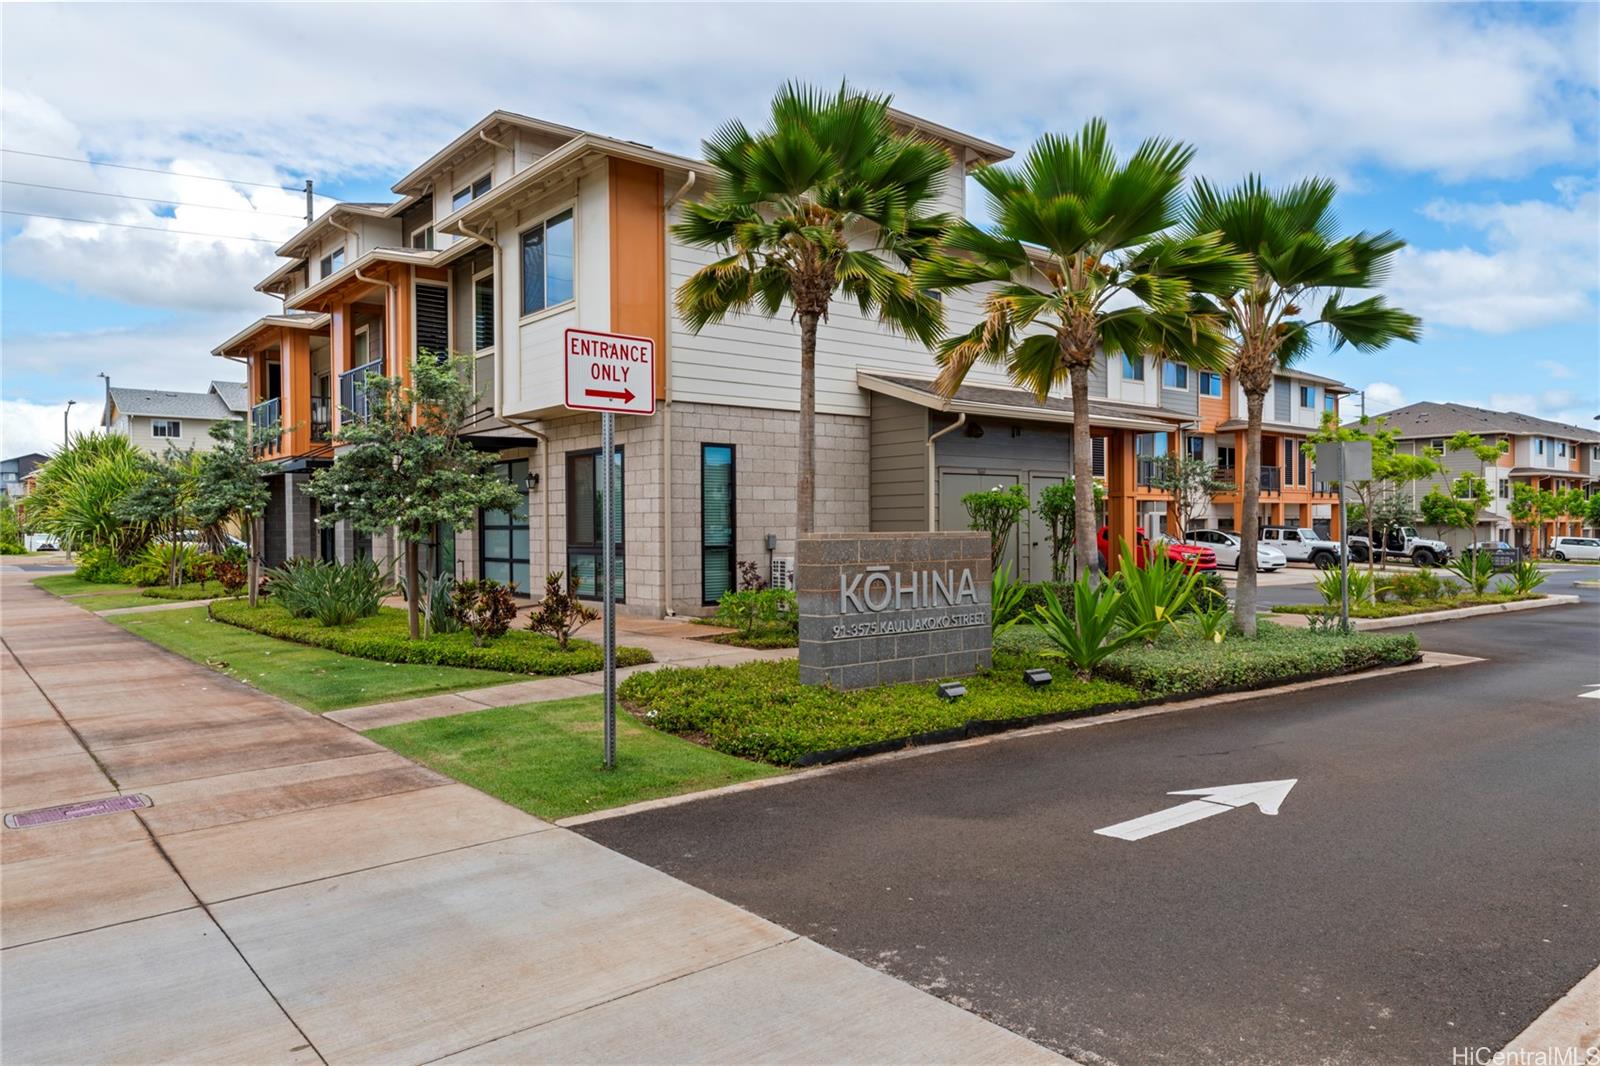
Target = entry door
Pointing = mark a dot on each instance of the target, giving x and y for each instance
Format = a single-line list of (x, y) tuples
[(1039, 529), (503, 535), (953, 515)]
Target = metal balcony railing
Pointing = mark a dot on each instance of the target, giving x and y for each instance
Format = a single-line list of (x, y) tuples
[(263, 417), (1271, 479), (1148, 470), (353, 389)]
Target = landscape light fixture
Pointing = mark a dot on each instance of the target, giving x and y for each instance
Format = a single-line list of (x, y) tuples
[(1036, 678), (952, 690)]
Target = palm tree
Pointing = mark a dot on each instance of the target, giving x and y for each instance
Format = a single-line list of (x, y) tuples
[(1291, 237), (1078, 263), (828, 199)]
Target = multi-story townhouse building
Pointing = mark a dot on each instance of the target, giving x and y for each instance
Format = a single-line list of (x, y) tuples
[(519, 229), (156, 418), (1545, 454), (15, 472)]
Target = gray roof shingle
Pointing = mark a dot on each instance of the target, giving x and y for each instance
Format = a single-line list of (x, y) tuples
[(1445, 419), (161, 403)]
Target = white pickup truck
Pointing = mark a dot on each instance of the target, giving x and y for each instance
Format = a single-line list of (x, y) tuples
[(1301, 545)]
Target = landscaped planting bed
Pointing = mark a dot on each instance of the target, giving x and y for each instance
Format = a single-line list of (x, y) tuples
[(1397, 609), (383, 637), (761, 711), (192, 590)]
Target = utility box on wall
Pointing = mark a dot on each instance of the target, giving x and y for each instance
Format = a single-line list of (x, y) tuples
[(887, 608)]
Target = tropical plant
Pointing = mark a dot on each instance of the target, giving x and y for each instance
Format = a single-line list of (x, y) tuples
[(751, 609), (231, 488), (1153, 595), (163, 502), (1057, 509), (1079, 265), (1530, 508), (1291, 238), (1212, 620), (11, 542), (232, 576), (996, 512), (1092, 630), (1364, 587), (1476, 569), (1525, 577), (560, 614), (1006, 599), (99, 565), (827, 199), (485, 608), (76, 494), (406, 467), (158, 562), (335, 594), (1418, 586), (440, 601)]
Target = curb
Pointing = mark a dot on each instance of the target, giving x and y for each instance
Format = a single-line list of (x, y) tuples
[(1364, 625), (1569, 1031), (1430, 660)]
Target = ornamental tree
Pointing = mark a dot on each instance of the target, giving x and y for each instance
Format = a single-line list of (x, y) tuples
[(1529, 508), (1381, 502), (406, 467), (231, 486), (1058, 509), (996, 512), (1191, 482), (163, 501)]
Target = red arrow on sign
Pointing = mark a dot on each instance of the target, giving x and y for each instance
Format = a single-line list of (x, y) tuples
[(626, 395)]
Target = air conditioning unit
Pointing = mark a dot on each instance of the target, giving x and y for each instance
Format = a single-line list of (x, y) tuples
[(782, 576)]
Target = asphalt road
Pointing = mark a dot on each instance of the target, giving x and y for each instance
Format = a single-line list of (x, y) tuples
[(1430, 883)]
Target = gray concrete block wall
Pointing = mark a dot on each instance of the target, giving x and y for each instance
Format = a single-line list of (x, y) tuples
[(885, 658)]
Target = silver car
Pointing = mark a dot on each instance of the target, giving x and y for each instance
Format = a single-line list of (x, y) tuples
[(1226, 547)]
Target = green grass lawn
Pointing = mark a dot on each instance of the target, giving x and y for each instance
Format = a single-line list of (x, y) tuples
[(73, 585), (317, 680), (98, 596), (545, 757)]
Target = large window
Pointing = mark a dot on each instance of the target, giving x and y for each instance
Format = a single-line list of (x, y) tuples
[(1330, 402), (331, 262), (717, 508), (584, 523), (503, 535), (166, 427), (422, 238), (1308, 396), (1195, 446), (547, 263), (1132, 367), (1175, 375), (1210, 384), (483, 311), (468, 193), (1227, 459)]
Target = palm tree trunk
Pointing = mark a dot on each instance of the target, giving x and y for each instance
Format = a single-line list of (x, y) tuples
[(805, 484), (412, 591), (1244, 607), (253, 563), (1083, 516)]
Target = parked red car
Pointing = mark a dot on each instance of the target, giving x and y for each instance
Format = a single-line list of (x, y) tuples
[(1192, 556)]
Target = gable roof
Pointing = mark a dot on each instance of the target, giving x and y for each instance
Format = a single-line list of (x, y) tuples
[(162, 403), (232, 394), (1446, 419)]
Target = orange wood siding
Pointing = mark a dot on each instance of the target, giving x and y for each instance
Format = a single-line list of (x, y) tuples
[(638, 258), (295, 353), (1214, 409)]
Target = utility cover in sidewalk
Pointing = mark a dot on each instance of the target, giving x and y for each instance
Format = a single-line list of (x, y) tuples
[(69, 811)]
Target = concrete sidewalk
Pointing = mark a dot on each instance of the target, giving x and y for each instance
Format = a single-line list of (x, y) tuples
[(297, 893)]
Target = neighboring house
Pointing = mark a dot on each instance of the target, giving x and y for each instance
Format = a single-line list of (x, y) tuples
[(156, 418), (1545, 454), (520, 228), (14, 473)]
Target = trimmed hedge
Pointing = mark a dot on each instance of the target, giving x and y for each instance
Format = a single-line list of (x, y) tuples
[(191, 590), (383, 637), (761, 711), (1181, 666), (1399, 609)]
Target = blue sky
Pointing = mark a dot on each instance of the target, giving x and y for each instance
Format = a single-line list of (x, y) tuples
[(1470, 130)]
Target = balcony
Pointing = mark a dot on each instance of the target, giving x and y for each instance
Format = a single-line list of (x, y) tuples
[(1271, 479), (353, 389), (321, 420), (1149, 471), (264, 417)]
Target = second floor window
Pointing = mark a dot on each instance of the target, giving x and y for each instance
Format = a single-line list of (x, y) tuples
[(483, 311), (1226, 458), (1538, 446), (331, 262), (422, 239), (1210, 384), (1561, 449), (1196, 447), (1175, 375), (1308, 396), (1330, 403), (468, 193), (1132, 367), (547, 263), (166, 427)]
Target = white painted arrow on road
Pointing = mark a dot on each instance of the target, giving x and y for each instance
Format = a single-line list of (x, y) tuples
[(1592, 694), (1266, 795)]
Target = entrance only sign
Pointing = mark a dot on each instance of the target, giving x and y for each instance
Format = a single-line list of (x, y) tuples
[(610, 372)]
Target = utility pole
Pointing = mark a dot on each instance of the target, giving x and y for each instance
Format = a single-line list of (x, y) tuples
[(105, 412), (310, 211), (66, 434)]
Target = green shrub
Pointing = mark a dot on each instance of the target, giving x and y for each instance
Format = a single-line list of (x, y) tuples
[(1395, 609), (560, 614), (759, 611), (236, 554), (1091, 631), (1362, 585), (1155, 594), (1525, 577), (1211, 623), (1033, 596), (335, 594), (1209, 590), (485, 609), (1476, 569), (995, 512), (1005, 599), (151, 566), (1418, 586), (1277, 655), (383, 637), (192, 590), (99, 564)]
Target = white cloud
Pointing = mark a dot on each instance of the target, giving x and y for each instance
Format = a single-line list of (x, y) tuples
[(174, 355), (1382, 396), (35, 427), (1557, 370), (1540, 266)]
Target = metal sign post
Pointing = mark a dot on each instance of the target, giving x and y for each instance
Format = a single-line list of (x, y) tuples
[(612, 373), (608, 597), (1344, 554), (1350, 460)]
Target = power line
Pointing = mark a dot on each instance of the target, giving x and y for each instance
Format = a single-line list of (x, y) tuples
[(152, 229), (150, 199), (152, 170)]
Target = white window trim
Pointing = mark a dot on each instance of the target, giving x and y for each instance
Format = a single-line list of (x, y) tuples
[(360, 331), (178, 422), (1308, 397), (1219, 394), (459, 187), (1188, 376), (548, 309), (472, 322), (1127, 362), (413, 237)]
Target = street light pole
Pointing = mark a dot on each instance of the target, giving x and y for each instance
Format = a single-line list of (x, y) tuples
[(66, 439)]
